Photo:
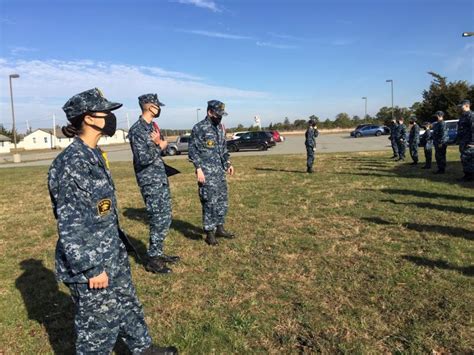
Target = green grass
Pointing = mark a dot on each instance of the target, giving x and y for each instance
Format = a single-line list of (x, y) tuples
[(365, 256)]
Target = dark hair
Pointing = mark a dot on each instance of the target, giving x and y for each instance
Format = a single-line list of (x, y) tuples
[(74, 128)]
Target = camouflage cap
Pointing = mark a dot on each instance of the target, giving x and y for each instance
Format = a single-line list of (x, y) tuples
[(464, 102), (439, 113), (149, 99), (88, 101), (217, 106)]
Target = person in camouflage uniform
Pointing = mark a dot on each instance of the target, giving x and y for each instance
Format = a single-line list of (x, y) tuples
[(427, 140), (91, 257), (310, 143), (208, 152), (393, 139), (414, 140), (440, 141), (147, 144), (465, 139), (401, 136)]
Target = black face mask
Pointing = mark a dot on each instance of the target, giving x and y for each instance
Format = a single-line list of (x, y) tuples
[(110, 124), (216, 119), (156, 115)]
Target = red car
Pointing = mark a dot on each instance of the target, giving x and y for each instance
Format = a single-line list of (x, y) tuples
[(276, 136)]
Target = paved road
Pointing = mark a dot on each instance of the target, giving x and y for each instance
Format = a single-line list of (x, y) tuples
[(326, 143)]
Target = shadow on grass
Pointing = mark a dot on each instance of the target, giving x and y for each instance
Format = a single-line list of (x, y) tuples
[(439, 264), (456, 232), (187, 229), (282, 170), (443, 208), (426, 194), (47, 305)]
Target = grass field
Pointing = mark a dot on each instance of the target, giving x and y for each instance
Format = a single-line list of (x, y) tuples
[(365, 256)]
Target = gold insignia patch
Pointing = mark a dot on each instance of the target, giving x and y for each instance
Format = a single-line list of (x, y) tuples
[(210, 143), (100, 92), (104, 206)]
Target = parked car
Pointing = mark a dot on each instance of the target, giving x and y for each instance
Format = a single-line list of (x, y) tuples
[(276, 136), (260, 140), (368, 130), (451, 125), (180, 146), (237, 135)]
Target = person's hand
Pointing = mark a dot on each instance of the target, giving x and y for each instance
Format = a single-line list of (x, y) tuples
[(163, 144), (231, 170), (314, 149), (155, 137), (200, 176), (99, 281)]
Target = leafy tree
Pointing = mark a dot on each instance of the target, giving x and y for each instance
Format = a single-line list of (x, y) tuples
[(6, 132), (343, 120)]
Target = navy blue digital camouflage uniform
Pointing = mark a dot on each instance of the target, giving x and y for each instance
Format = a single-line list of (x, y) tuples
[(84, 204), (401, 135), (208, 151), (151, 178), (393, 139), (440, 141), (414, 141), (310, 144), (466, 142), (427, 139)]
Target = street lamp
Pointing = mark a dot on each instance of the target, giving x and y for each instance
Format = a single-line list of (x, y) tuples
[(365, 98), (468, 34), (391, 82), (197, 114), (13, 76)]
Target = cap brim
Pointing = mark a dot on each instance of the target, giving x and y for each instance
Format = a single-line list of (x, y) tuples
[(222, 113), (161, 103), (110, 106)]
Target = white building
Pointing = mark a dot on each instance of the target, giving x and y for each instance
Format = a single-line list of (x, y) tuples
[(5, 144), (43, 138)]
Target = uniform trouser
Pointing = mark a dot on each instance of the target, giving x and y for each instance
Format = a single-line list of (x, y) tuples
[(309, 157), (157, 199), (394, 147), (103, 315), (414, 152), (428, 156), (401, 146), (213, 196), (440, 156), (467, 159)]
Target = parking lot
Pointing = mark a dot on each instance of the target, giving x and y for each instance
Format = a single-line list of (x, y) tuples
[(294, 144)]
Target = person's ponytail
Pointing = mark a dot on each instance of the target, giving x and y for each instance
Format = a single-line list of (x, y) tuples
[(74, 128)]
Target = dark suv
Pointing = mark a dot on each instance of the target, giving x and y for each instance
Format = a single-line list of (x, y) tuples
[(252, 140)]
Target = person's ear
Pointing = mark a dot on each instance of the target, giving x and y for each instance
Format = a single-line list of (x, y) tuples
[(89, 120)]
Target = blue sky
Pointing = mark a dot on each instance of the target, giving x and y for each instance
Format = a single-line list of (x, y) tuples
[(268, 58)]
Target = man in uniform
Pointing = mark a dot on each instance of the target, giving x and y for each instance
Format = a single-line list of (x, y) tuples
[(401, 139), (208, 152), (414, 140), (466, 140), (393, 138), (310, 143), (440, 141), (427, 139), (147, 144)]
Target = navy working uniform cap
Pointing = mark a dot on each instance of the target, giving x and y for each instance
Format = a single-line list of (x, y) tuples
[(439, 113), (149, 99), (217, 106), (87, 102), (465, 102)]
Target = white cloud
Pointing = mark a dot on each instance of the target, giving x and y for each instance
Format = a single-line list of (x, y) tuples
[(216, 34), (275, 45), (204, 4), (44, 86)]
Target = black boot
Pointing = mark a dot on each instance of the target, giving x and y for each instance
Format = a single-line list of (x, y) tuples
[(157, 266), (211, 238), (426, 167), (414, 163), (221, 232), (467, 177), (170, 258), (157, 350)]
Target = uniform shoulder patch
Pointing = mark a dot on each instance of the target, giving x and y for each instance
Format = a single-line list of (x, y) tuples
[(104, 206)]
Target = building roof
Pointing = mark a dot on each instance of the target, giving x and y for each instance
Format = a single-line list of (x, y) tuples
[(59, 133), (4, 138)]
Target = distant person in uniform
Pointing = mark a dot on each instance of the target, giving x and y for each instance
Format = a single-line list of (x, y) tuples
[(147, 145), (440, 142), (401, 139), (414, 140), (465, 139), (427, 140), (393, 138), (208, 152), (91, 257), (310, 143)]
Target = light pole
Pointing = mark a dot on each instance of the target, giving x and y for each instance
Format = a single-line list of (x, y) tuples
[(391, 82), (365, 98), (468, 34), (13, 76), (197, 114)]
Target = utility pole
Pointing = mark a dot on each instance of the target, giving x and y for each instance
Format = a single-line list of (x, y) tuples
[(365, 98), (54, 132), (128, 123), (391, 82)]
